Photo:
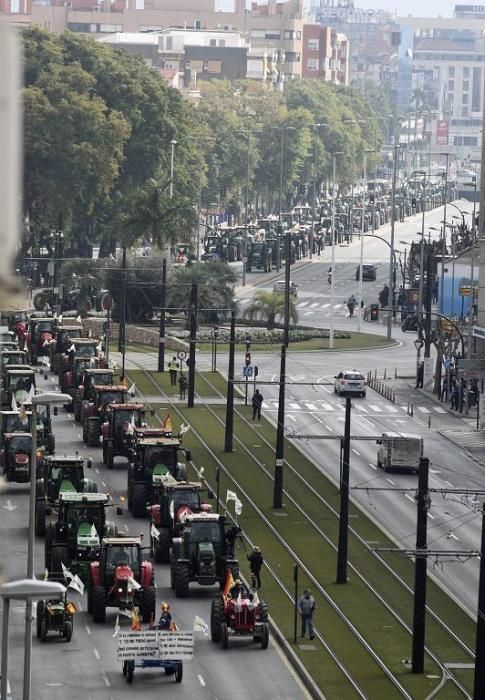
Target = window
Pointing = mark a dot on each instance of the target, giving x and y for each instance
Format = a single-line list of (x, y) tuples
[(169, 43), (477, 90), (451, 85), (213, 42), (451, 72), (464, 111), (312, 64), (465, 98), (466, 72), (272, 34), (313, 45), (222, 42), (290, 34), (466, 86)]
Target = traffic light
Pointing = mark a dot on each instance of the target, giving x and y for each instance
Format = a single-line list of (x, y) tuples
[(279, 229), (372, 199), (413, 202), (248, 359)]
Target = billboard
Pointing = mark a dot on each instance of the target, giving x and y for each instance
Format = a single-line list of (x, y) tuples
[(441, 132)]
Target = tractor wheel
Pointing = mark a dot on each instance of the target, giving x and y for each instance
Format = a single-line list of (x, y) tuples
[(129, 485), (181, 580), (43, 630), (68, 630), (224, 635), (51, 444), (93, 432), (179, 672), (59, 556), (77, 405), (98, 600), (109, 454), (161, 548), (139, 500), (39, 616), (129, 671), (85, 430), (217, 615), (264, 635), (264, 611), (39, 488), (149, 603), (40, 517)]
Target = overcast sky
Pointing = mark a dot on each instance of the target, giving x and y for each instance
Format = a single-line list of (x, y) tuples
[(418, 8)]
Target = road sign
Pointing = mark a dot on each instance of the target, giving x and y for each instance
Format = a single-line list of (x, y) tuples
[(244, 260), (181, 354), (465, 291), (248, 371)]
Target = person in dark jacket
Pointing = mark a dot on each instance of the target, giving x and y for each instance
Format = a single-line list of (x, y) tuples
[(183, 384), (255, 563), (257, 402), (306, 608), (231, 536), (420, 377)]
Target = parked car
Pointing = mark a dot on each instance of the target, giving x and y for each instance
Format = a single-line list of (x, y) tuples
[(350, 382), (280, 288), (369, 272)]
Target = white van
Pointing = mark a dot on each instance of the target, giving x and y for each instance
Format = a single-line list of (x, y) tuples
[(400, 451)]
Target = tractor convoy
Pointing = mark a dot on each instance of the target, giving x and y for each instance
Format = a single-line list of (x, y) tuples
[(82, 543)]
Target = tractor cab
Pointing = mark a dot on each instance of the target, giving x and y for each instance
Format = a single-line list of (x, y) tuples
[(96, 413), (14, 422), (12, 357), (6, 335), (19, 386), (42, 331), (121, 559), (96, 377), (84, 347), (65, 336), (15, 456), (118, 431), (65, 475)]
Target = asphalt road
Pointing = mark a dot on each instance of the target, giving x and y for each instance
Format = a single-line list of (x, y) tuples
[(87, 668)]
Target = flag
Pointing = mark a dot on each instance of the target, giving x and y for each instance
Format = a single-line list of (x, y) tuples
[(200, 473), (126, 613), (135, 621), (171, 510), (167, 424), (229, 583), (238, 507), (154, 532), (184, 428), (201, 626), (76, 584), (72, 348), (94, 532), (90, 333), (46, 575), (134, 584), (132, 389), (14, 403), (79, 319), (71, 608), (24, 419), (231, 496), (117, 627)]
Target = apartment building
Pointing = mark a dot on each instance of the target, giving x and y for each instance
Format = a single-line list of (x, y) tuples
[(325, 54)]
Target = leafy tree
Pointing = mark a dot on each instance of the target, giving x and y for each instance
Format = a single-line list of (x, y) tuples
[(269, 306), (215, 289)]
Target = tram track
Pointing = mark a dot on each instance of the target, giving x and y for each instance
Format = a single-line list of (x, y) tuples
[(445, 673)]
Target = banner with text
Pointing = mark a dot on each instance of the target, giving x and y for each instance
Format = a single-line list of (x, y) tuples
[(156, 644)]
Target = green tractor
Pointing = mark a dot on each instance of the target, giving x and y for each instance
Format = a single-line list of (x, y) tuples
[(18, 386), (59, 475), (199, 554), (55, 615), (156, 458), (75, 538)]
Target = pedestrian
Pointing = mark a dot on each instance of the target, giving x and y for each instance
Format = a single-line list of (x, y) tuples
[(173, 366), (255, 563), (351, 305), (306, 608), (257, 402), (420, 376), (231, 537), (183, 383), (444, 390), (455, 397)]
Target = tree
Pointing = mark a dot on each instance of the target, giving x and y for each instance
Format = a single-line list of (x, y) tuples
[(215, 281), (268, 307)]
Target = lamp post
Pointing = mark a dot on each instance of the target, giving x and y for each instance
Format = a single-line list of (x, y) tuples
[(28, 590), (283, 130), (362, 231), (332, 279), (418, 344), (315, 128), (470, 322), (57, 238), (173, 143), (393, 221), (47, 399)]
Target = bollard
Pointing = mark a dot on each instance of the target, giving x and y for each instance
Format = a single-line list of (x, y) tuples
[(375, 374), (395, 372), (393, 397), (385, 373), (429, 422), (412, 409)]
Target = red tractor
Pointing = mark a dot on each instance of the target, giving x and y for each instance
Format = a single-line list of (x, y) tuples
[(15, 457), (72, 377), (85, 391), (239, 612), (94, 413), (118, 432), (121, 579), (87, 348), (66, 334), (42, 332)]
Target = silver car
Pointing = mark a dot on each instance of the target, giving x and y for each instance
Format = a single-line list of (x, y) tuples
[(280, 288), (350, 382)]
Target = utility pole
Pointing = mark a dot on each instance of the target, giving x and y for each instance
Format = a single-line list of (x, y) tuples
[(429, 298), (480, 643), (122, 331), (230, 387), (420, 568), (163, 303), (280, 429), (193, 333), (391, 253), (343, 529)]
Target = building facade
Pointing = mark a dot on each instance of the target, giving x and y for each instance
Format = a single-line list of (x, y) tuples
[(325, 54)]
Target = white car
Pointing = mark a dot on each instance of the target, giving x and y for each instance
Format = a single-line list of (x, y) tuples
[(280, 287), (350, 382)]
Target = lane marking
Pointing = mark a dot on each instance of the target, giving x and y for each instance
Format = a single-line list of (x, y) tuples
[(295, 406), (373, 466), (96, 470), (311, 406), (106, 680), (201, 680), (390, 481), (423, 409), (88, 629), (449, 484), (451, 535), (356, 452), (375, 408), (430, 516), (104, 483), (96, 653), (292, 418), (438, 409), (410, 498)]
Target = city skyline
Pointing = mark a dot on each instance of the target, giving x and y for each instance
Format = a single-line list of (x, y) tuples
[(417, 8)]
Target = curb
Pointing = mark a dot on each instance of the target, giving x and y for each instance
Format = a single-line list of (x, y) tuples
[(295, 662)]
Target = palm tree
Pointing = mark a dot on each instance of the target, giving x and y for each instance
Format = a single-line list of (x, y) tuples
[(269, 306), (215, 282)]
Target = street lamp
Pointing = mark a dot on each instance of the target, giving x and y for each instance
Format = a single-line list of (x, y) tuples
[(332, 278), (57, 239), (418, 344), (173, 143), (49, 398), (474, 185), (28, 590), (362, 231), (315, 127), (393, 221), (283, 130)]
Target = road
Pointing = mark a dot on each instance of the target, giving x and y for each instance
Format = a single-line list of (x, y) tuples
[(87, 668)]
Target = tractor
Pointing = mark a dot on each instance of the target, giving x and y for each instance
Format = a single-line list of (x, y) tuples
[(15, 457), (72, 376), (75, 538), (199, 554), (40, 336), (80, 347), (18, 387), (86, 389), (95, 413), (118, 431), (11, 357), (155, 458), (66, 333), (172, 502), (242, 614), (59, 475), (15, 422), (55, 616), (121, 579)]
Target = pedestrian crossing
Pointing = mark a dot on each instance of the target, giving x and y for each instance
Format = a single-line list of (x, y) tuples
[(360, 407)]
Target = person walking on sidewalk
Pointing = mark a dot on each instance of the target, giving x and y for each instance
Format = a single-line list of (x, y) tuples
[(183, 384), (306, 607), (255, 563), (420, 377), (173, 366), (257, 402)]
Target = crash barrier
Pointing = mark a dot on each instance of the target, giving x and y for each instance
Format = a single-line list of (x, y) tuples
[(380, 386)]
